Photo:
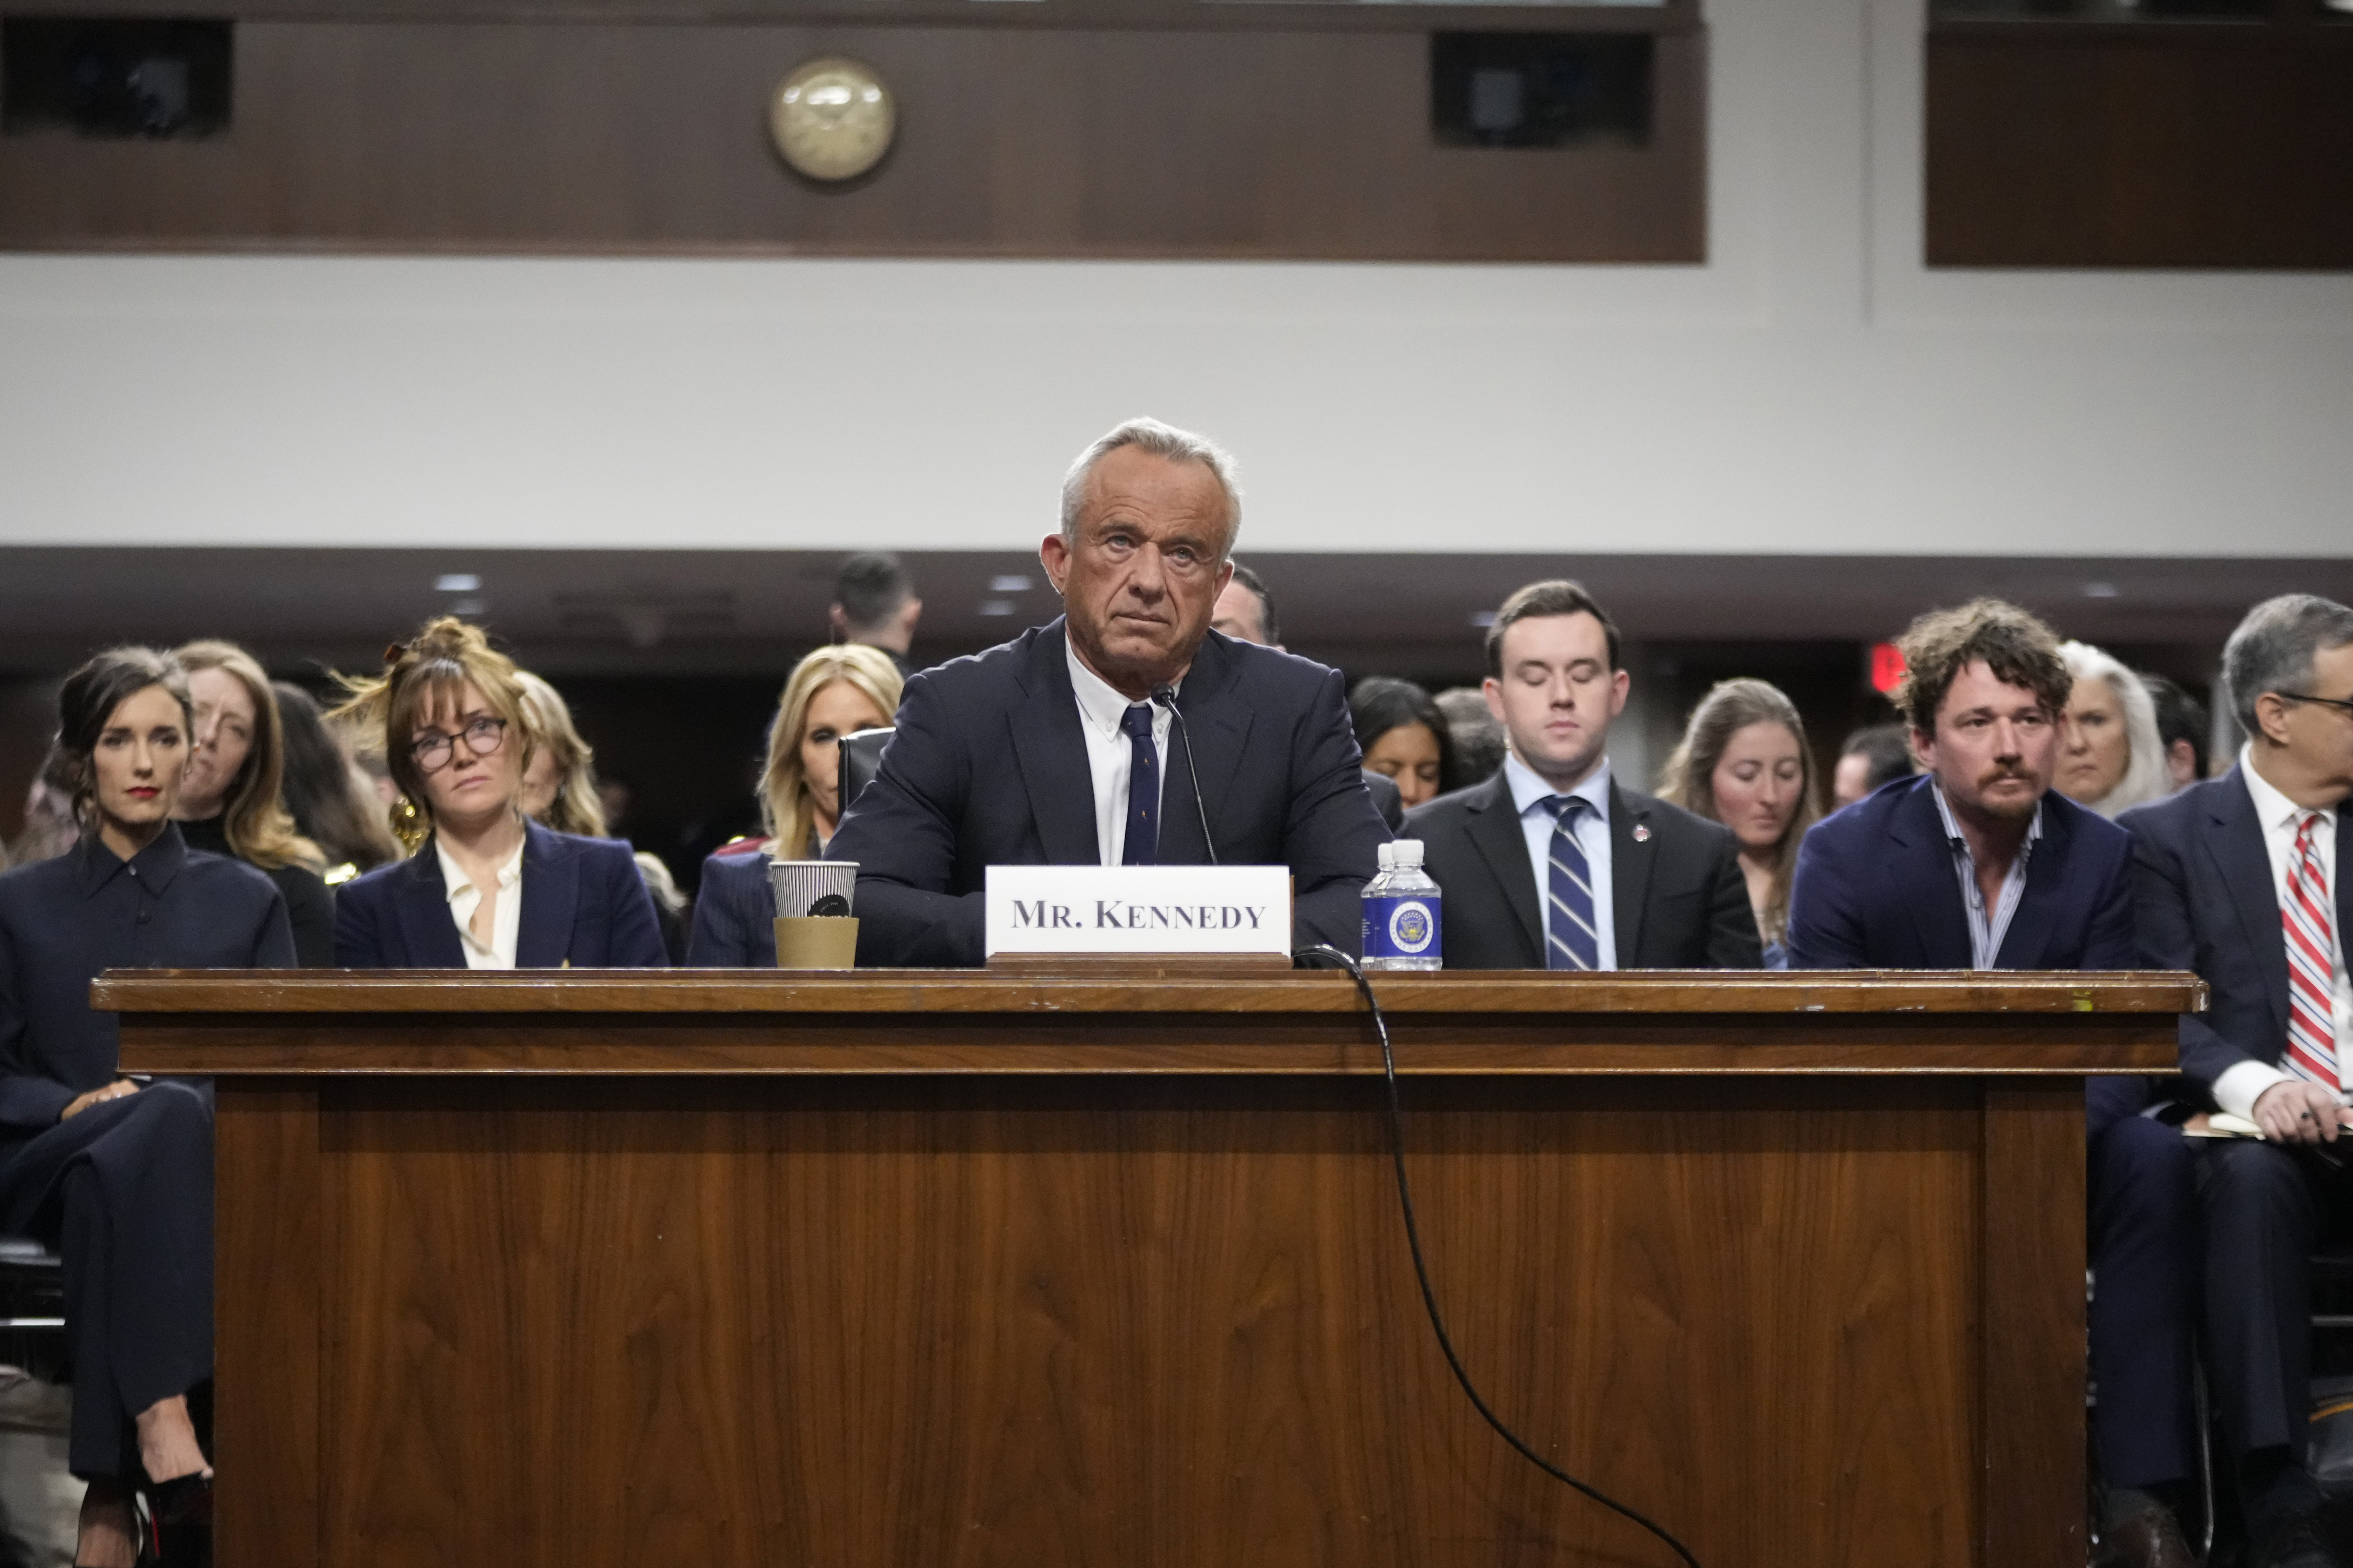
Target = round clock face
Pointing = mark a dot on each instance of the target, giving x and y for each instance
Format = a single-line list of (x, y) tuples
[(833, 118)]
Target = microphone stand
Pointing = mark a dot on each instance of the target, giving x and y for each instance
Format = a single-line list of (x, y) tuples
[(1165, 695)]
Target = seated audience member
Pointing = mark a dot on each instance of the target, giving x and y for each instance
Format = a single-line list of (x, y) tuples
[(1245, 612), (49, 826), (559, 788), (874, 605), (116, 1176), (331, 801), (2248, 880), (1474, 740), (1051, 750), (1403, 736), (488, 887), (1552, 864), (2110, 758), (1743, 762), (2181, 728), (833, 692), (1871, 757), (1978, 864), (230, 802)]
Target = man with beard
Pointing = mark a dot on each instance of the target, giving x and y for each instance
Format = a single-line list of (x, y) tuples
[(1974, 864)]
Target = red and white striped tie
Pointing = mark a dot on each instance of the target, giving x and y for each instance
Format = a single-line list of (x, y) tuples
[(2311, 1032)]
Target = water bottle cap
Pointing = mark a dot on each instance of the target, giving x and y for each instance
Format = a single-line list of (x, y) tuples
[(1385, 856), (1406, 853)]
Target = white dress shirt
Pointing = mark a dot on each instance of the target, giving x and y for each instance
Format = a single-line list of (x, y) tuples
[(1109, 753), (2237, 1089), (506, 920), (1592, 833), (1986, 927)]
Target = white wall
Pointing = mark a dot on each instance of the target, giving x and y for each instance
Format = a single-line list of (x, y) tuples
[(1812, 389)]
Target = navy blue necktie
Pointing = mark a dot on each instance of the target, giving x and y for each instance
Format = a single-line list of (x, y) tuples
[(1570, 941), (1142, 788)]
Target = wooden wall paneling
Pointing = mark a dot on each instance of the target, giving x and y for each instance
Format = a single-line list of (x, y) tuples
[(2144, 144), (1020, 140), (272, 1243), (2034, 1366), (1152, 1321)]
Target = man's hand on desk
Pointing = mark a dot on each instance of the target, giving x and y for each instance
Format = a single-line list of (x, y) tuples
[(2299, 1112)]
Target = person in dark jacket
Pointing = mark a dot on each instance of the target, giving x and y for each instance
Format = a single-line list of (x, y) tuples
[(488, 888), (232, 803), (1978, 863), (116, 1176)]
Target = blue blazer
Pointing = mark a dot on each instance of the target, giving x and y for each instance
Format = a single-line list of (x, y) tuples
[(584, 904), (734, 911), (988, 767), (2202, 888), (1876, 889)]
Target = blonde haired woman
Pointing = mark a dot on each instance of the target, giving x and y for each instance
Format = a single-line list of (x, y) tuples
[(231, 800), (833, 692), (559, 789), (488, 888), (1744, 762), (2111, 757)]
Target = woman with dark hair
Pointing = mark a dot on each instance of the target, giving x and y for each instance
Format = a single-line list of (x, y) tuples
[(119, 1176), (1744, 762), (230, 802), (1403, 735), (488, 887), (332, 801)]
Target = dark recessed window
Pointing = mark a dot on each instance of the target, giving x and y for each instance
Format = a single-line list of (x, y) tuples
[(1540, 89), (67, 77)]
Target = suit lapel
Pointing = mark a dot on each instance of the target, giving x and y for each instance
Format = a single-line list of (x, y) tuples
[(1218, 730), (2234, 842), (422, 899), (1629, 872), (1923, 861), (550, 896), (1051, 749), (1495, 831)]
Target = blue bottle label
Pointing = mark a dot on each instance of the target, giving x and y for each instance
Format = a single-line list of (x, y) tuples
[(1403, 925)]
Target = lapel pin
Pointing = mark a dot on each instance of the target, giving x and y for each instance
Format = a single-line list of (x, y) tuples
[(1642, 833)]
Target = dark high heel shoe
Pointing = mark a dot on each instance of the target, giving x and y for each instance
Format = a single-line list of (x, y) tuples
[(183, 1500)]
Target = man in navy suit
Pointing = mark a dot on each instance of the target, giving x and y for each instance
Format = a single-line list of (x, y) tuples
[(1054, 749), (1976, 864), (2247, 881)]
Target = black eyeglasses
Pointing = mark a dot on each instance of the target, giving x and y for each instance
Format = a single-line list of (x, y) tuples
[(2325, 701), (482, 736)]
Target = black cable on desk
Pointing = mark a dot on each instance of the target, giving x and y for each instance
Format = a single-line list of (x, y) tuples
[(1422, 1270)]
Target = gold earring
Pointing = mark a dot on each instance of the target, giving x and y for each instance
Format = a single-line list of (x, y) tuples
[(408, 824)]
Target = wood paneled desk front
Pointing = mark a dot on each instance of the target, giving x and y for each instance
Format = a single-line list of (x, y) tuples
[(895, 1269)]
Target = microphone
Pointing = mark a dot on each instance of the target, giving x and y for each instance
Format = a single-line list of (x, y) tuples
[(1165, 695)]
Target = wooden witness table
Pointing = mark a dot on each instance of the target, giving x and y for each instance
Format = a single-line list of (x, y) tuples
[(1106, 1269)]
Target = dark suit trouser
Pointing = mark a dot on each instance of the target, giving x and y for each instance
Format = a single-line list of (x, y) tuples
[(2142, 1240), (2265, 1207), (124, 1192)]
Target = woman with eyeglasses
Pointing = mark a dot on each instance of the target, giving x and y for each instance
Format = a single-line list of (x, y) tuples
[(488, 887)]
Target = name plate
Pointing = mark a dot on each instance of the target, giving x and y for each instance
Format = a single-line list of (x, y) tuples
[(1139, 909)]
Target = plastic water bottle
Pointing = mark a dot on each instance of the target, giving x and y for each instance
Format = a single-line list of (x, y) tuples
[(1403, 928)]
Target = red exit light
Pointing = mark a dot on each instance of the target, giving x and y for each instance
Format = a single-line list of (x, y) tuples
[(1886, 667)]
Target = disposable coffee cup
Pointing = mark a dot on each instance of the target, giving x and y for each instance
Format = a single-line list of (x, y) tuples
[(820, 941), (799, 884)]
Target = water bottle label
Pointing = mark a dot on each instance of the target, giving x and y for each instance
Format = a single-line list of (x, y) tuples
[(1406, 926)]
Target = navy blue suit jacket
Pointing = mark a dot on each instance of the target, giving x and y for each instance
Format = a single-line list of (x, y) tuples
[(584, 904), (734, 911), (988, 767), (2202, 888), (1876, 889)]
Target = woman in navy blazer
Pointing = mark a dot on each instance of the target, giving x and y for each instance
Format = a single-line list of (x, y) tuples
[(488, 888)]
